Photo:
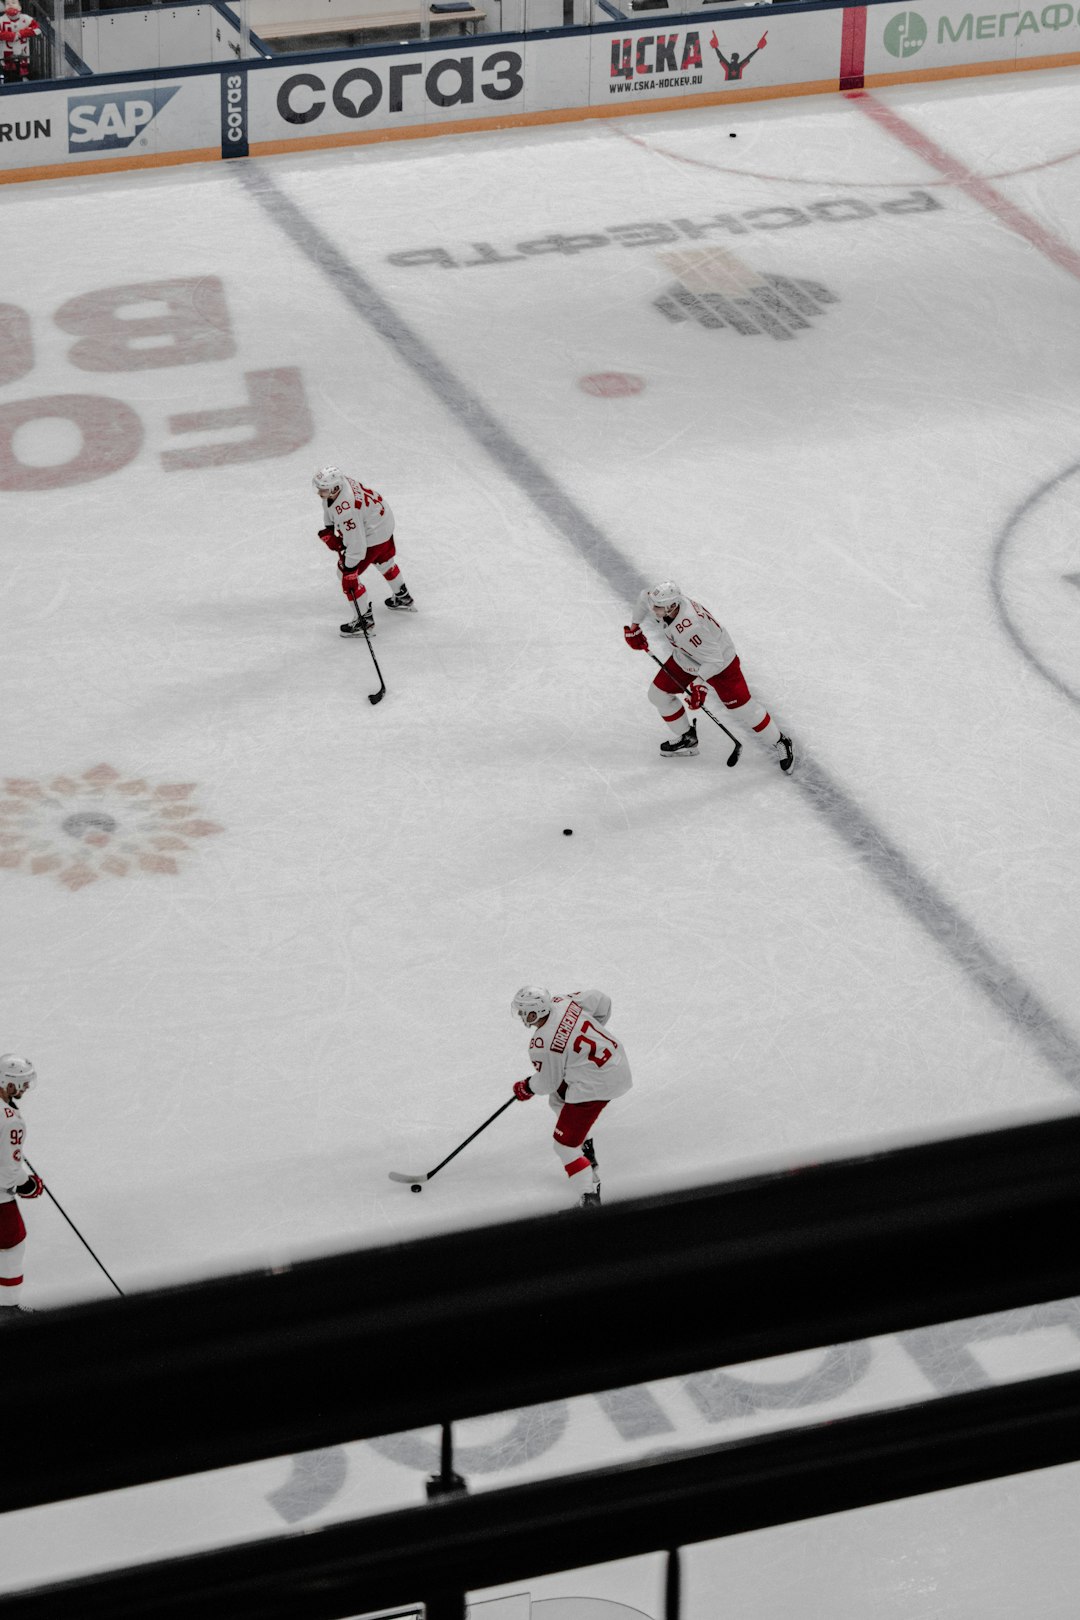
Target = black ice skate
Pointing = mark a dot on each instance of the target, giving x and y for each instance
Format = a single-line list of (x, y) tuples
[(401, 601), (591, 1200), (356, 627), (785, 753), (686, 744)]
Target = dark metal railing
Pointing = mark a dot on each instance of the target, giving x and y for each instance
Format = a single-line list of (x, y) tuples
[(164, 1384)]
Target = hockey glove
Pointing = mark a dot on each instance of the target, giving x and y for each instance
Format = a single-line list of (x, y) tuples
[(32, 1188), (636, 637), (523, 1091), (350, 583), (329, 537), (696, 695)]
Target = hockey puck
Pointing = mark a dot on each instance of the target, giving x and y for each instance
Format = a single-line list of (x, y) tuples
[(568, 832), (416, 1187)]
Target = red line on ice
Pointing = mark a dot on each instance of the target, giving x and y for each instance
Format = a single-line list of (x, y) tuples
[(980, 190)]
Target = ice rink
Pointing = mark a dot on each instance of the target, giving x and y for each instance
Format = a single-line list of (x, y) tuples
[(817, 361)]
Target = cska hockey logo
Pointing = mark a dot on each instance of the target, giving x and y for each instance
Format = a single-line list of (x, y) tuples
[(655, 54), (735, 66)]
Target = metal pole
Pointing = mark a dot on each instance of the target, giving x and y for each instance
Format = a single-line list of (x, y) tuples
[(672, 1586)]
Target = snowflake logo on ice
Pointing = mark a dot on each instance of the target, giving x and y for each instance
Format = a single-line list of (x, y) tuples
[(100, 824)]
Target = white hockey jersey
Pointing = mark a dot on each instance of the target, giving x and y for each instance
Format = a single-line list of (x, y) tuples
[(361, 517), (17, 29), (575, 1047), (13, 1171), (701, 644)]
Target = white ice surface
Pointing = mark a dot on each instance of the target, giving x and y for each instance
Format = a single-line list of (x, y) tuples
[(234, 1054)]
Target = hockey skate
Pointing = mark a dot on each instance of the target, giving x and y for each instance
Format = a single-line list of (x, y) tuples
[(686, 744), (401, 601), (591, 1199), (785, 753), (356, 627)]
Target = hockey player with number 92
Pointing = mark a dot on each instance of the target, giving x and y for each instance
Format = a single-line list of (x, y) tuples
[(17, 1075), (579, 1066)]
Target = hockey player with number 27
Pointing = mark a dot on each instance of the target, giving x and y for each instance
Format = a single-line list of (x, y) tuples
[(16, 1181), (702, 655), (579, 1066), (359, 525)]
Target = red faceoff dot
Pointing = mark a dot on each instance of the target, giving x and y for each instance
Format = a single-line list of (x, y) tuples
[(611, 384)]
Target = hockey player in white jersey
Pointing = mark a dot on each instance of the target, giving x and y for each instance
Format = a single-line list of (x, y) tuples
[(579, 1066), (359, 526), (699, 654), (16, 1181), (17, 29)]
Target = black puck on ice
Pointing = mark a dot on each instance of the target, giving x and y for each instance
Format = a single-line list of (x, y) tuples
[(568, 832), (731, 134), (416, 1187)]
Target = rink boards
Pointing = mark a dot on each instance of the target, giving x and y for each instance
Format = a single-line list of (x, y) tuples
[(212, 110)]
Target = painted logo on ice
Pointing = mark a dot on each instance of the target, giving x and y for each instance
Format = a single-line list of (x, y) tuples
[(101, 824), (716, 288)]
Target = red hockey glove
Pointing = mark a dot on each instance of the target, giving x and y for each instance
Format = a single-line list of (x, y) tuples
[(329, 537), (523, 1091), (696, 695), (32, 1188), (350, 583), (636, 637)]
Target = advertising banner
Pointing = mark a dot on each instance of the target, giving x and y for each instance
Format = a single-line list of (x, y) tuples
[(946, 38), (110, 125), (737, 56), (346, 97)]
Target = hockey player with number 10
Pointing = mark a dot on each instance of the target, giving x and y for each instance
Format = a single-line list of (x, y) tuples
[(578, 1065), (701, 654)]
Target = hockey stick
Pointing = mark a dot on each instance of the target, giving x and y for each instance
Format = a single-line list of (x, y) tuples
[(373, 697), (733, 757), (417, 1181), (74, 1228)]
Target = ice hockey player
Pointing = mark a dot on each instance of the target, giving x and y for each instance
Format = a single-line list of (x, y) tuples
[(17, 29), (700, 655), (579, 1066), (16, 1181), (359, 526)]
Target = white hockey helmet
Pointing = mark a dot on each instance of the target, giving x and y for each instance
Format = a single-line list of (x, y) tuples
[(326, 480), (664, 598), (531, 1004), (17, 1071)]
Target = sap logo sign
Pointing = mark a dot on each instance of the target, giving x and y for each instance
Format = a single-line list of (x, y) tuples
[(107, 123)]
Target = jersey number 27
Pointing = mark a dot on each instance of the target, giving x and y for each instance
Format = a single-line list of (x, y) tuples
[(595, 1055)]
